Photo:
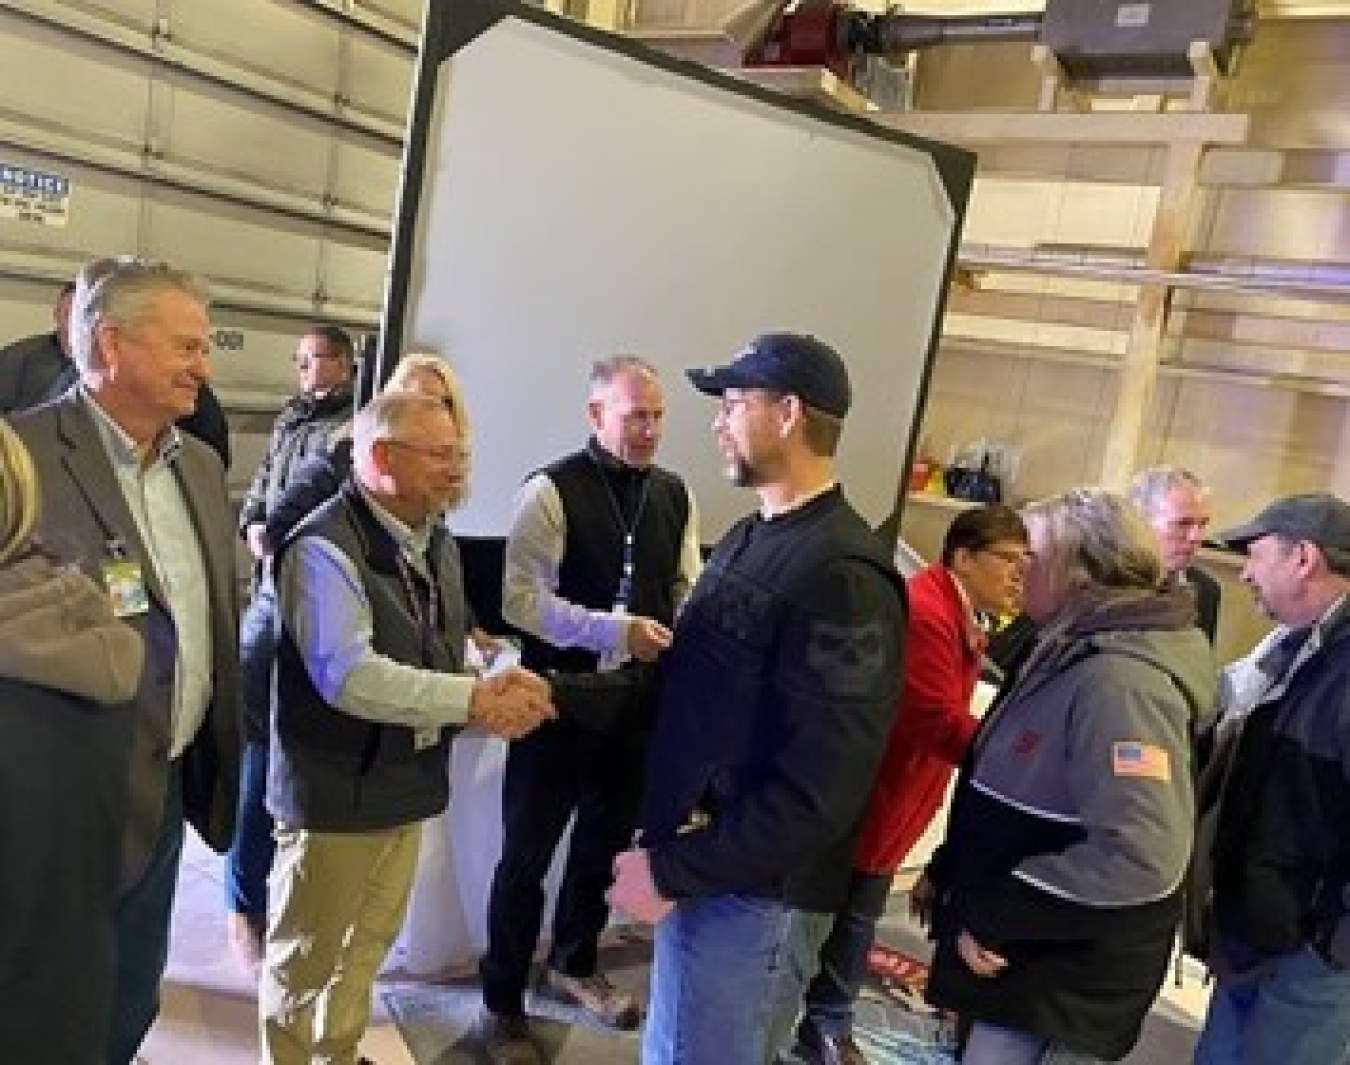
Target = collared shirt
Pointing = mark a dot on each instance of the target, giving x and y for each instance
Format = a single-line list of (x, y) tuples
[(534, 553), (1264, 674), (321, 601), (160, 510)]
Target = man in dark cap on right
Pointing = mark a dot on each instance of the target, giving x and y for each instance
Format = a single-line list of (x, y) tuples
[(778, 693), (1271, 883)]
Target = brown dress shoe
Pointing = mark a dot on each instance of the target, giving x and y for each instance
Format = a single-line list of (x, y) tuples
[(597, 996)]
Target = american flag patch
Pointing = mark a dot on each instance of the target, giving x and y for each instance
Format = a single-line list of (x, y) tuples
[(1134, 759)]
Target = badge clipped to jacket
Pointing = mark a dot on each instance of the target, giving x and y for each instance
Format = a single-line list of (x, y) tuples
[(125, 582)]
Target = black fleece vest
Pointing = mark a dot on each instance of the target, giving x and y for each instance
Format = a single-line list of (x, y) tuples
[(600, 502), (333, 772)]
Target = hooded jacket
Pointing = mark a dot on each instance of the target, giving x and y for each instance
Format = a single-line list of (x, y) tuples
[(1072, 824), (66, 665), (57, 631)]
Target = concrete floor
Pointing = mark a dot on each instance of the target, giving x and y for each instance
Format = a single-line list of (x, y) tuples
[(209, 1014)]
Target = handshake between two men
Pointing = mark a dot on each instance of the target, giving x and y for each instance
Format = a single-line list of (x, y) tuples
[(511, 703), (515, 701)]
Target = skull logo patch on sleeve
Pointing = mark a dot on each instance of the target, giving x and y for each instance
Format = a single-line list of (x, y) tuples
[(846, 659)]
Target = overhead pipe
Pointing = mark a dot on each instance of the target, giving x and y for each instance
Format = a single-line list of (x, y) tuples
[(1325, 282), (897, 31)]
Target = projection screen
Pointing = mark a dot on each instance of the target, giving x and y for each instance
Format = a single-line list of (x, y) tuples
[(568, 194)]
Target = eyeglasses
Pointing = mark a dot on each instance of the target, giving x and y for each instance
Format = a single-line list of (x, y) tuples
[(303, 359), (727, 403), (447, 455), (1018, 559)]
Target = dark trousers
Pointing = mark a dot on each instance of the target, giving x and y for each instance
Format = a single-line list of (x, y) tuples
[(843, 958), (141, 927), (549, 774), (249, 859)]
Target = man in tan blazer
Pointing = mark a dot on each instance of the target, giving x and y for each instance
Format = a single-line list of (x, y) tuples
[(143, 509)]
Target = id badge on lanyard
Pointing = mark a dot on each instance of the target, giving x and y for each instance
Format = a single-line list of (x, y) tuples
[(125, 582)]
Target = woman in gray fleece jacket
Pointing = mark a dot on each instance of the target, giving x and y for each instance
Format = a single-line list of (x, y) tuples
[(1057, 892), (65, 664)]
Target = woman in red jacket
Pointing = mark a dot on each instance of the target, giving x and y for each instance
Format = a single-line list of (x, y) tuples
[(983, 556)]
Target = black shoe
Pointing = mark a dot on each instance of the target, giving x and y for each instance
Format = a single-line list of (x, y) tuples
[(506, 1037), (817, 1048)]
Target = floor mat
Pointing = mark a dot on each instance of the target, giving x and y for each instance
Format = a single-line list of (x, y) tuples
[(893, 1025)]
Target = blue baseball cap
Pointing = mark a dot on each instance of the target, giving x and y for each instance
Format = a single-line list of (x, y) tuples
[(792, 363)]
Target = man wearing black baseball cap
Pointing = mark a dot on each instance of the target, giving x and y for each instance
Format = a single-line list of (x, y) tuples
[(1272, 861), (778, 693)]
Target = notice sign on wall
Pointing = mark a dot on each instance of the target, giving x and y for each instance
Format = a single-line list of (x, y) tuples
[(32, 196)]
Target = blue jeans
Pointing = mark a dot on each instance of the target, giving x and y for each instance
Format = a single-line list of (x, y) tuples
[(141, 927), (727, 980), (1299, 1012), (843, 958), (988, 1044), (249, 860)]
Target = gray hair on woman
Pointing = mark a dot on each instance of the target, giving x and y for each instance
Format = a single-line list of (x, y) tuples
[(1094, 536)]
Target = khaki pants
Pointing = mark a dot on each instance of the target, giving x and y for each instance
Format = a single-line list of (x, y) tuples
[(337, 901)]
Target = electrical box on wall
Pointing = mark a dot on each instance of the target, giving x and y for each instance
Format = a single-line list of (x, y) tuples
[(1101, 38)]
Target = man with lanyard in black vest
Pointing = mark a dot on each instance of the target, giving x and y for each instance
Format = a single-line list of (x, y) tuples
[(603, 549)]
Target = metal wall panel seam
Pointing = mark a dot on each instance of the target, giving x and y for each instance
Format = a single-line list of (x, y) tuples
[(225, 295), (141, 165), (335, 109), (380, 27)]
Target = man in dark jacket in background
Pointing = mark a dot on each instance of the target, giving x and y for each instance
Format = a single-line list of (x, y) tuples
[(1272, 851), (304, 429), (38, 368), (778, 693)]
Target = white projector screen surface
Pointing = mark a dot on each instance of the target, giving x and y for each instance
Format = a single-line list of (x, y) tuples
[(574, 199)]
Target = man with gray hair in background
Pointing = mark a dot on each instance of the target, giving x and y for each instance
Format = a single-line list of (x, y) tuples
[(1176, 504), (143, 509), (1269, 905)]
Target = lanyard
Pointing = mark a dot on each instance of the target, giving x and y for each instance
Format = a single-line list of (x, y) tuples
[(425, 611), (628, 561)]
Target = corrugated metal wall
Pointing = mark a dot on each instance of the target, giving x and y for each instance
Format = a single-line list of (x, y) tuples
[(256, 142)]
